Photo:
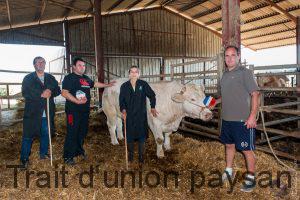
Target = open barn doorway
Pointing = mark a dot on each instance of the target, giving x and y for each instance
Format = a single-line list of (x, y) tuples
[(16, 63)]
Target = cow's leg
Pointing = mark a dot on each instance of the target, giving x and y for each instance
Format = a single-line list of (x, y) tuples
[(159, 139), (159, 147), (155, 127), (112, 131), (119, 128), (167, 143)]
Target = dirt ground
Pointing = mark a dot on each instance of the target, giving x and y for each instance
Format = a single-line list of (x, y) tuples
[(189, 159)]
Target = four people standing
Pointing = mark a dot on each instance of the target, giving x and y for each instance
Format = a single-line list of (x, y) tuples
[(239, 98)]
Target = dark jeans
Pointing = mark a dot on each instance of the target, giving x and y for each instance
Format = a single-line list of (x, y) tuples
[(141, 149), (44, 142), (77, 129)]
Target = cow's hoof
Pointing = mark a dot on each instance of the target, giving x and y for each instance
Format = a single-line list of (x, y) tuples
[(160, 155), (168, 148), (121, 138), (115, 143), (159, 141)]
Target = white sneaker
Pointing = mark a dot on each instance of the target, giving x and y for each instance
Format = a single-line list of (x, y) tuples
[(226, 176)]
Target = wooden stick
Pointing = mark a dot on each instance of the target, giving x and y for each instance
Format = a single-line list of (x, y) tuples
[(125, 136), (49, 131)]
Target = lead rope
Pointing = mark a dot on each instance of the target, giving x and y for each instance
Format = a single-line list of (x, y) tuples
[(268, 140)]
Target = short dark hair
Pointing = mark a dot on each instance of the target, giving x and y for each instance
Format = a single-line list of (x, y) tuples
[(76, 59), (133, 66), (232, 47), (37, 58)]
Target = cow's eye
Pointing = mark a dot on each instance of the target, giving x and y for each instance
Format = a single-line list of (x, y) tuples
[(193, 99)]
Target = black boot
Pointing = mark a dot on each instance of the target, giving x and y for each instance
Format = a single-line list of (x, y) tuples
[(24, 164), (141, 152), (130, 151)]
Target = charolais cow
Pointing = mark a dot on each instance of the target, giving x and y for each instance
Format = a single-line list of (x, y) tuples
[(272, 81), (173, 102)]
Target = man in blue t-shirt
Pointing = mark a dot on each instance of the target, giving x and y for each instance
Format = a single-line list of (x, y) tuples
[(76, 89)]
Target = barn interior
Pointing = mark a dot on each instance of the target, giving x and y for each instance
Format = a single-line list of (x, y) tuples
[(169, 40)]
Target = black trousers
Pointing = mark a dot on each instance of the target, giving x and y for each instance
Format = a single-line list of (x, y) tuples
[(141, 149), (77, 129)]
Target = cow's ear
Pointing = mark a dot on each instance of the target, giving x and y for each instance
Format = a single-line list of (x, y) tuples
[(178, 97)]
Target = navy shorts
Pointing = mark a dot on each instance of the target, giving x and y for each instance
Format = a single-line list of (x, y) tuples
[(235, 132)]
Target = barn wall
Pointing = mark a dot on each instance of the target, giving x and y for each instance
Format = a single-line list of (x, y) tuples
[(156, 32), (143, 38), (46, 34)]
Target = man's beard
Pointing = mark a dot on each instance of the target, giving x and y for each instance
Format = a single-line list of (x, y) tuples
[(40, 69)]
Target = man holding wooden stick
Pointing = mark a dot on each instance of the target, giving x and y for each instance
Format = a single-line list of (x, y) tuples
[(37, 87)]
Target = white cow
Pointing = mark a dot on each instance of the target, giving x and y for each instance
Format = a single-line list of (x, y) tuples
[(173, 102)]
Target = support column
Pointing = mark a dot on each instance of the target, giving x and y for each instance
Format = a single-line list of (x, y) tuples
[(98, 44), (67, 45), (231, 33), (298, 60)]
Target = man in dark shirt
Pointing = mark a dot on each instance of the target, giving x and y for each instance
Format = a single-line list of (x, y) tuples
[(76, 89), (36, 88), (132, 101)]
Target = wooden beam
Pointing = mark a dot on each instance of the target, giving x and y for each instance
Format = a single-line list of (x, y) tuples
[(281, 10), (207, 12), (133, 4), (257, 18), (40, 11), (116, 4), (267, 34), (68, 10), (263, 26), (278, 153), (69, 7), (259, 6), (217, 8), (167, 2), (150, 3), (173, 11), (247, 21), (191, 5), (231, 23), (278, 39), (98, 43), (8, 14), (67, 45), (273, 46)]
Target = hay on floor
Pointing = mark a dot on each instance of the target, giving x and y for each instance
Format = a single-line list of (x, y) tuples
[(186, 157)]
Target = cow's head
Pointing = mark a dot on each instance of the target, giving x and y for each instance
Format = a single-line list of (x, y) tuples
[(191, 96)]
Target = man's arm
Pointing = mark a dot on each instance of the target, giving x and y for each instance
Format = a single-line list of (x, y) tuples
[(251, 121), (122, 102), (66, 94), (151, 95), (104, 85)]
